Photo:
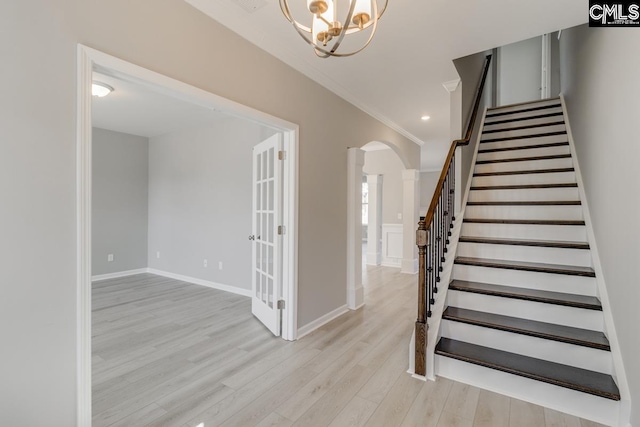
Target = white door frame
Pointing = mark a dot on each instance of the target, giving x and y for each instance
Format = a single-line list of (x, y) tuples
[(89, 59)]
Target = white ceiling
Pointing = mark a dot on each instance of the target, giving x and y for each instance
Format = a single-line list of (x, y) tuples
[(136, 110), (399, 77)]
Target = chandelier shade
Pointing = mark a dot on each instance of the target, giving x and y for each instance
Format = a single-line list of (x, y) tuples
[(331, 21)]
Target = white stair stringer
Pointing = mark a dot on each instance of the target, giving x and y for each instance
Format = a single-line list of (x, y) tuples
[(561, 399)]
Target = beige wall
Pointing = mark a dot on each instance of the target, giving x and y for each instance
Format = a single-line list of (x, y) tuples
[(601, 84), (37, 169)]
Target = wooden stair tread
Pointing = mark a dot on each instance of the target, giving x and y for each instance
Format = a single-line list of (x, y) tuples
[(528, 203), (519, 119), (493, 113), (582, 380), (524, 147), (523, 221), (525, 172), (516, 242), (570, 270), (533, 126), (524, 186), (524, 159), (532, 328), (535, 295), (533, 135)]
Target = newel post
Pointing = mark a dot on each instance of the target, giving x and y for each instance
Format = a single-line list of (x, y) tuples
[(421, 322)]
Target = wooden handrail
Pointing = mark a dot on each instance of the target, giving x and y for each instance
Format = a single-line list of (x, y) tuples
[(435, 235)]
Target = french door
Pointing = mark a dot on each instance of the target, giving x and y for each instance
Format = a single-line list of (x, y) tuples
[(267, 241)]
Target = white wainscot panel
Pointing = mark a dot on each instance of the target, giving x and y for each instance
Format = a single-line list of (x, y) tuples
[(392, 245)]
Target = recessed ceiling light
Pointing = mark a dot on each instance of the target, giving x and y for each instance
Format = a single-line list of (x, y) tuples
[(425, 118), (100, 89)]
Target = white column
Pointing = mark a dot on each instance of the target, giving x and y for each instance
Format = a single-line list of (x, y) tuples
[(410, 218), (355, 294), (374, 227)]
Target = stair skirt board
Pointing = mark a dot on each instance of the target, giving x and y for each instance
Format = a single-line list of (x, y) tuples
[(521, 166), (570, 233), (554, 351), (531, 310), (578, 285), (523, 151), (561, 399), (524, 179), (524, 194), (577, 257)]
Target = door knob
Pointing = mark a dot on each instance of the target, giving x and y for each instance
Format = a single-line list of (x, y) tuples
[(252, 237)]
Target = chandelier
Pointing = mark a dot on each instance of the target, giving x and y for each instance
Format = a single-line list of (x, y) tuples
[(328, 31)]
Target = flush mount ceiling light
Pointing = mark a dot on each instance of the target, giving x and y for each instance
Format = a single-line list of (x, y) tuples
[(333, 20), (100, 89), (425, 118)]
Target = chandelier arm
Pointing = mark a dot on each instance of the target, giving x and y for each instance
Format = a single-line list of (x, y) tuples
[(347, 21), (373, 31)]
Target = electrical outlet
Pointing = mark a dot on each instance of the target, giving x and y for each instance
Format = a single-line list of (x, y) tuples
[(220, 265), (110, 258), (399, 216), (205, 263), (158, 254)]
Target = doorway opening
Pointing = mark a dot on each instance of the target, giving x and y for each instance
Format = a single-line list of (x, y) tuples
[(278, 286)]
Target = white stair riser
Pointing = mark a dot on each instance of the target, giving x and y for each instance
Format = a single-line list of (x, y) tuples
[(553, 351), (527, 194), (490, 119), (579, 285), (522, 132), (568, 233), (561, 399), (529, 152), (540, 312), (557, 212), (524, 179), (562, 256), (525, 142), (509, 125), (524, 165)]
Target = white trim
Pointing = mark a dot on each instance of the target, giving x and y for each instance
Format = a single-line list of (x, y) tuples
[(83, 236), (321, 321), (355, 292), (451, 85), (87, 59), (118, 274), (609, 327), (410, 218), (201, 282)]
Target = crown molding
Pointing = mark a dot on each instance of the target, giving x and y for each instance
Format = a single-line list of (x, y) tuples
[(451, 85)]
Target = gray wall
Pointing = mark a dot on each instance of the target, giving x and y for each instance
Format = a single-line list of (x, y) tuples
[(520, 71), (200, 194), (428, 182), (38, 169), (601, 84), (387, 164), (470, 70), (119, 201)]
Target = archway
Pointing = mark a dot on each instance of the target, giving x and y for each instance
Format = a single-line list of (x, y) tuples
[(408, 262)]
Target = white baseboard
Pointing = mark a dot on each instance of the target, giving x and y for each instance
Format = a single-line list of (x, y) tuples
[(320, 321), (118, 274), (201, 282)]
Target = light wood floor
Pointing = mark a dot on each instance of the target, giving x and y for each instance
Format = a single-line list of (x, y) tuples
[(169, 353)]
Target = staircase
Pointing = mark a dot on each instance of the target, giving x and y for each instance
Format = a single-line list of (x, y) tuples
[(522, 313)]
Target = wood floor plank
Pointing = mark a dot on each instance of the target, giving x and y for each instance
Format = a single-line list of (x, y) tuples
[(492, 410), (426, 409), (450, 419), (558, 419), (275, 420), (355, 413), (463, 400), (396, 404), (524, 414)]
